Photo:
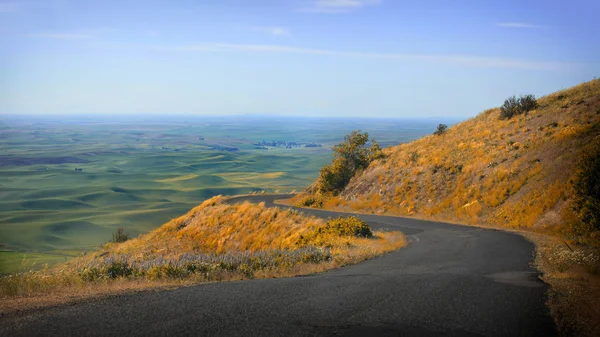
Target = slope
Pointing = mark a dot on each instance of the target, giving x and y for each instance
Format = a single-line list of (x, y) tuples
[(508, 172)]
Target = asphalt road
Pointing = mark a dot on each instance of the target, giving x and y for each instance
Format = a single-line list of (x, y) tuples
[(450, 280)]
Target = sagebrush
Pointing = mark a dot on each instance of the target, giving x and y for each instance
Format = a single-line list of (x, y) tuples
[(516, 106)]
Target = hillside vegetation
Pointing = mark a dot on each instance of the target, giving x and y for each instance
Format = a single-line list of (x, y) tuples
[(516, 171), (214, 241)]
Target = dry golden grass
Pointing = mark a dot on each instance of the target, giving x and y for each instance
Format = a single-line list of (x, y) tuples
[(214, 241), (217, 227), (511, 173)]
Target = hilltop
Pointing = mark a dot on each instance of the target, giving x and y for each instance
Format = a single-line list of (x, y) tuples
[(268, 239), (514, 173)]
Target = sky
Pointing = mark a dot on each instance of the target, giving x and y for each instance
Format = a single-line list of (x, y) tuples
[(335, 58)]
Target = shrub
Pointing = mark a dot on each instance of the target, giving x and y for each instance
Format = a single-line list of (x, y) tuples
[(333, 178), (350, 226), (515, 106), (120, 235), (351, 156), (340, 227), (311, 200), (509, 108), (527, 103), (441, 129)]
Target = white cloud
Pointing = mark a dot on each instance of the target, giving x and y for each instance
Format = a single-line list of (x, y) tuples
[(62, 36), (478, 61), (275, 31), (337, 6), (518, 25)]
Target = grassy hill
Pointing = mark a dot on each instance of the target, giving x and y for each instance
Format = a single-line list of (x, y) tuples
[(513, 172), (218, 228), (214, 241)]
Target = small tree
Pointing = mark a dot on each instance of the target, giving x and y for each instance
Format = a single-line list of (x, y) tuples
[(441, 129), (120, 235), (354, 154)]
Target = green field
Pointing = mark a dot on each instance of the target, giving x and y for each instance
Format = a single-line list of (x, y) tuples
[(67, 184)]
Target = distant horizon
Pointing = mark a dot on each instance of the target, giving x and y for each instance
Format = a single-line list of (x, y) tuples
[(215, 116)]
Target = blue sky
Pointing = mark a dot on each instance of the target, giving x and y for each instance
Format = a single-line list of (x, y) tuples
[(370, 58)]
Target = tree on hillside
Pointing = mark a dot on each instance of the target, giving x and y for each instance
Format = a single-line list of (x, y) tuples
[(441, 129), (351, 156)]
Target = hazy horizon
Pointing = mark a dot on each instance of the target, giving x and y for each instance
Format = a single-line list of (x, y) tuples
[(321, 58), (172, 116)]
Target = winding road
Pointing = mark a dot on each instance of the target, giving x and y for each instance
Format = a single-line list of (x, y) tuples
[(450, 280)]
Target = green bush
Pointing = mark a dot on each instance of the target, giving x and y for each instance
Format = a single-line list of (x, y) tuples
[(311, 201), (509, 108), (527, 103), (333, 178), (515, 106), (441, 129), (351, 156), (350, 226)]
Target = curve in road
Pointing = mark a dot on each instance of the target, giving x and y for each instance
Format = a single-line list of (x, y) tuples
[(450, 280)]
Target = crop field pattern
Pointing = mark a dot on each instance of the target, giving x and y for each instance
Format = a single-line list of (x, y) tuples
[(66, 184)]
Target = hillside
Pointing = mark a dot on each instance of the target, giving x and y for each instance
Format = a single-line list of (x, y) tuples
[(506, 172), (214, 241), (221, 230)]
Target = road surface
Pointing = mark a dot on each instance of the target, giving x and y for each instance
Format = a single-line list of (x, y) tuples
[(450, 280)]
